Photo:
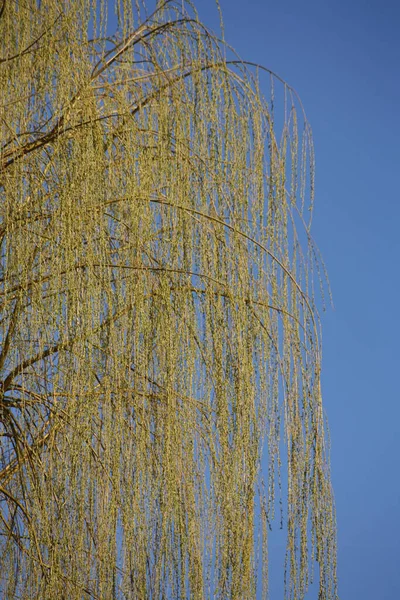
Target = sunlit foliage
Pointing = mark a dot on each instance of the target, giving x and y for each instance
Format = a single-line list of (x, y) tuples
[(157, 322)]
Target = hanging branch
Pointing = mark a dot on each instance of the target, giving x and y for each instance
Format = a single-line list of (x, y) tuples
[(159, 334)]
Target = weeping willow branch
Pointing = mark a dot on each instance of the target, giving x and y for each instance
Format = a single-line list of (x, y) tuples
[(160, 358)]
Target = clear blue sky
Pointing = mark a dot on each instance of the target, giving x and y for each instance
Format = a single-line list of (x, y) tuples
[(343, 58)]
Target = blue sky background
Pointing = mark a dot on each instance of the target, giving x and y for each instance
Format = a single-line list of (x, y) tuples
[(343, 59)]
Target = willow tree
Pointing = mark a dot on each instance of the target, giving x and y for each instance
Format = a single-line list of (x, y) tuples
[(159, 336)]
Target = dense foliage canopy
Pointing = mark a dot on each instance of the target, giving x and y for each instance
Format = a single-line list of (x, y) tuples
[(157, 321)]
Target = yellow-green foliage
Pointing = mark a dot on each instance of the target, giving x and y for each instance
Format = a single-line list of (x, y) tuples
[(157, 315)]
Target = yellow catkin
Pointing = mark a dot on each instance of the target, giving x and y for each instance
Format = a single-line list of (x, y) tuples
[(159, 338)]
